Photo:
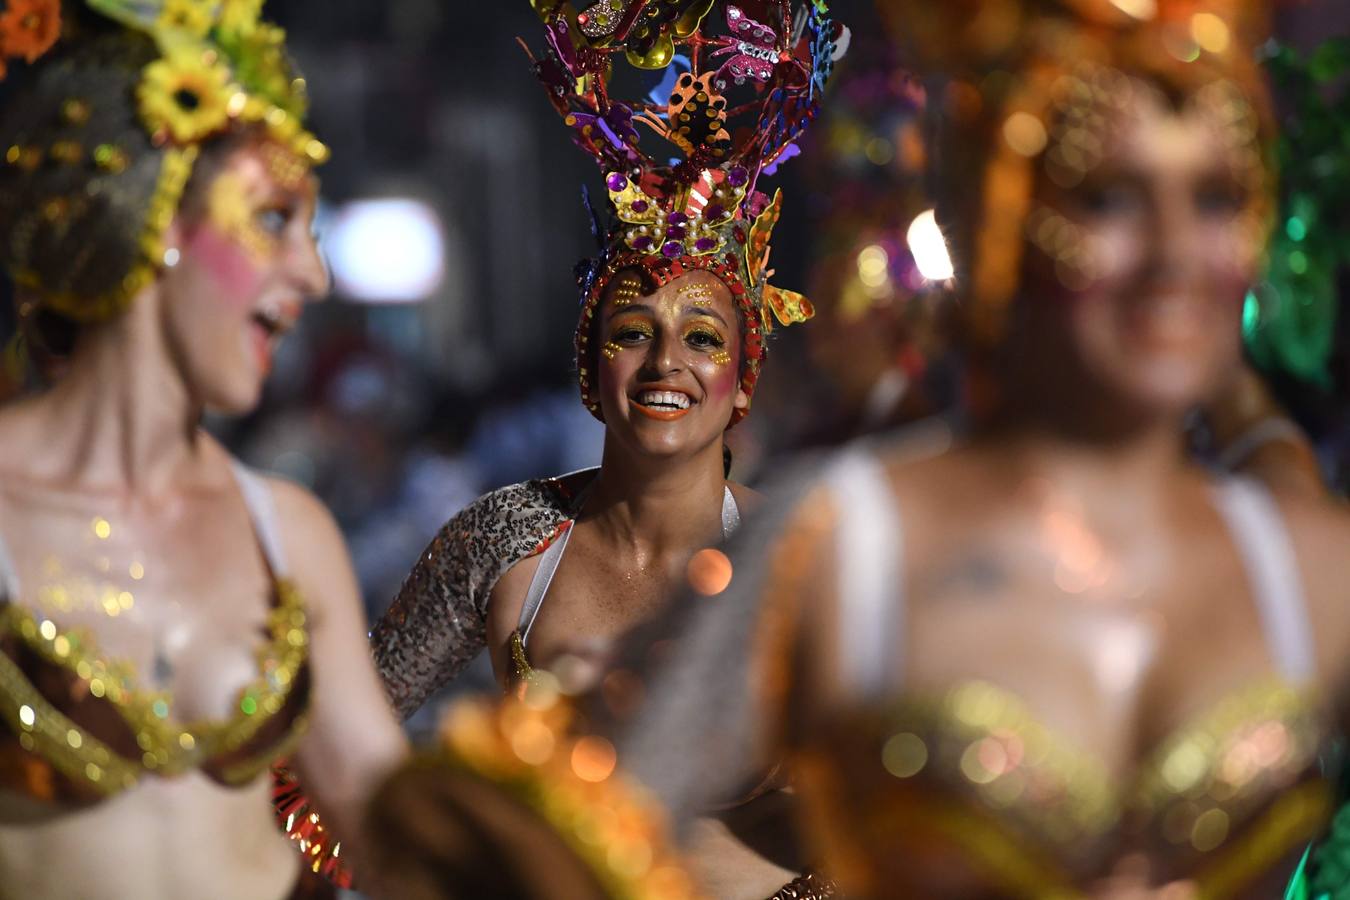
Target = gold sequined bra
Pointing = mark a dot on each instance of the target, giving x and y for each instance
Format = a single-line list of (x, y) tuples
[(81, 727), (970, 773)]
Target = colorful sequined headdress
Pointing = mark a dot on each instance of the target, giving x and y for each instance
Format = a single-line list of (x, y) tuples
[(104, 128), (740, 83), (1021, 81)]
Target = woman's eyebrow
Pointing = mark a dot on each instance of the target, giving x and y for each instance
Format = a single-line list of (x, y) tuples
[(628, 308), (704, 311)]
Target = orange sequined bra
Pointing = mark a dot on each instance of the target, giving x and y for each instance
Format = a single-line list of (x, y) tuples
[(81, 727), (971, 773)]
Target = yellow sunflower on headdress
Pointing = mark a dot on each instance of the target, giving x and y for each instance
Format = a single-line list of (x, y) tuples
[(29, 28), (185, 93), (192, 16)]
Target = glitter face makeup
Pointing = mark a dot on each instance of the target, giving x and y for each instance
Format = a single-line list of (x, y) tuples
[(1097, 110), (627, 289), (697, 294), (231, 210), (1145, 241), (678, 366)]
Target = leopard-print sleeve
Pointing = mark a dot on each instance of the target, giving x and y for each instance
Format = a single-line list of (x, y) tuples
[(438, 622)]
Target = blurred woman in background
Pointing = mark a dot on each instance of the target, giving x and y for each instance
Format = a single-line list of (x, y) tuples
[(172, 622)]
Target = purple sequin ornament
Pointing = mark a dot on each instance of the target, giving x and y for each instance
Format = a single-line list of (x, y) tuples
[(616, 181), (677, 218), (672, 249), (714, 212), (639, 206), (642, 243), (675, 232), (738, 176), (705, 244)]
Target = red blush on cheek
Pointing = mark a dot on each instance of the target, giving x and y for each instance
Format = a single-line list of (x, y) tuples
[(227, 263), (725, 380)]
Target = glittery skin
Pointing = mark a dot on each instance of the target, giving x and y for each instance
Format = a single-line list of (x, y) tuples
[(88, 727), (697, 294), (232, 213), (438, 622)]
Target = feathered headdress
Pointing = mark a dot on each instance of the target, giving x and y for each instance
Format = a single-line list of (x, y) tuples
[(739, 85)]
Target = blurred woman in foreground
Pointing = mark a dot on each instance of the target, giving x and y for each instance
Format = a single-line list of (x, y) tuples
[(1053, 657)]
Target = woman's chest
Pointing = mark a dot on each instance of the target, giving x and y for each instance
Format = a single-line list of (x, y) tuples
[(182, 610)]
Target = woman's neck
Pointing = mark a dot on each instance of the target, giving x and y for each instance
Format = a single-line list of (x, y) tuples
[(121, 418), (658, 506), (1089, 445)]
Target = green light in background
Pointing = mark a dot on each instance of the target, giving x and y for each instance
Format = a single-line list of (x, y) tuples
[(1295, 228), (1251, 314), (1298, 262)]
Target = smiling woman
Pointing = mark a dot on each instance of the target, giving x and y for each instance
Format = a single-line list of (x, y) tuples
[(674, 313), (666, 359), (171, 623)]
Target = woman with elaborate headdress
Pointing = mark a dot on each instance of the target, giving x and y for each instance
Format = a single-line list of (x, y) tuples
[(171, 622), (675, 311), (1052, 658)]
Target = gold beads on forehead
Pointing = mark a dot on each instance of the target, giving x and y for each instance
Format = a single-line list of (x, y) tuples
[(287, 168), (1079, 130), (697, 294), (627, 289)]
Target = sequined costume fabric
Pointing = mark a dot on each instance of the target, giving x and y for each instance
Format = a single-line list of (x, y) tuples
[(967, 773), (81, 726), (438, 622)]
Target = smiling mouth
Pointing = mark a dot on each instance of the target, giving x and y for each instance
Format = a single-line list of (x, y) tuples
[(273, 321), (662, 405)]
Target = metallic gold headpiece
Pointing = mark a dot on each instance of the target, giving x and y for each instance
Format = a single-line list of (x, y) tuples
[(740, 83)]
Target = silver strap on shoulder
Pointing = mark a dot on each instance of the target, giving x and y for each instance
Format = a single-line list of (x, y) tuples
[(262, 510), (543, 577), (870, 571), (1263, 542), (9, 575), (731, 514)]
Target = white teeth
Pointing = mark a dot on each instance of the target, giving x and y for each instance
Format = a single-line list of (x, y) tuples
[(671, 399), (271, 319)]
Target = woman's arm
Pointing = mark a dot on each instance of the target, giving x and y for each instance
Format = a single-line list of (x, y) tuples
[(434, 627), (353, 740), (438, 622)]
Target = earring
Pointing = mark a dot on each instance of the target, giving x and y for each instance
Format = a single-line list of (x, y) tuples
[(171, 257)]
